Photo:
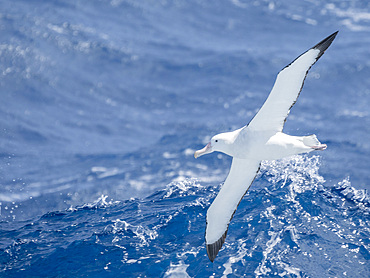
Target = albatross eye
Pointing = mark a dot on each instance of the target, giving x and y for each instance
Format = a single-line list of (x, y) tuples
[(216, 141)]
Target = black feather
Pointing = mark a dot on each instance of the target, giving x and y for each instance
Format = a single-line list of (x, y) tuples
[(212, 249)]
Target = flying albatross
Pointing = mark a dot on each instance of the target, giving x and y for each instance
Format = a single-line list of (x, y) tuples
[(261, 139)]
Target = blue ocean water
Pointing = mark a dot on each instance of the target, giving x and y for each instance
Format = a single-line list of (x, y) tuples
[(103, 104)]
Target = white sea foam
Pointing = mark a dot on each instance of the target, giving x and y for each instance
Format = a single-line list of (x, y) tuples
[(100, 202), (354, 113), (144, 234), (103, 172), (262, 269), (177, 270), (355, 20), (358, 196), (300, 170), (241, 253), (182, 187)]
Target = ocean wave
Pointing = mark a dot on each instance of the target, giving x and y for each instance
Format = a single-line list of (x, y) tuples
[(272, 225), (360, 197)]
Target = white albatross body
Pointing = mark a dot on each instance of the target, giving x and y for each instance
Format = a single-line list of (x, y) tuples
[(261, 139)]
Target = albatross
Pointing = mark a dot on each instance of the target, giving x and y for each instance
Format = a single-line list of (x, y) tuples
[(261, 139)]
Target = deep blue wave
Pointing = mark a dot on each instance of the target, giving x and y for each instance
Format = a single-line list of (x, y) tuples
[(286, 219)]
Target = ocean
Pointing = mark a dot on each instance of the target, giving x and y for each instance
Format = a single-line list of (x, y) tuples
[(103, 104)]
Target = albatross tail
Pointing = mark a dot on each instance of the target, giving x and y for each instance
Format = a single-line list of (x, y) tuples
[(312, 142)]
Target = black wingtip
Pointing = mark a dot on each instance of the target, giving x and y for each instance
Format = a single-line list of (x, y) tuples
[(325, 43), (321, 46), (213, 248)]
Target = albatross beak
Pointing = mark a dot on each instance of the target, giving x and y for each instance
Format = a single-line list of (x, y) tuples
[(205, 150)]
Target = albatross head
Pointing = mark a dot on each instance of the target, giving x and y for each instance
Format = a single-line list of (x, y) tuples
[(219, 143)]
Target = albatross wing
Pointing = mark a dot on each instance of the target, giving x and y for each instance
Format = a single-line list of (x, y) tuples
[(287, 88), (241, 176)]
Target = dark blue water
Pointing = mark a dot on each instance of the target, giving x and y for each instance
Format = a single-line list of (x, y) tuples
[(104, 102)]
